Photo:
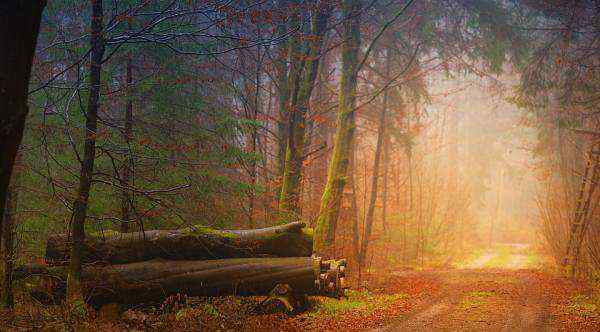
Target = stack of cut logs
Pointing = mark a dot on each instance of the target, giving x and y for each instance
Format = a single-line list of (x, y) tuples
[(133, 268)]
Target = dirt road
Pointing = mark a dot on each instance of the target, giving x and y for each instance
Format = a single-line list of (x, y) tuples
[(481, 300), (511, 296)]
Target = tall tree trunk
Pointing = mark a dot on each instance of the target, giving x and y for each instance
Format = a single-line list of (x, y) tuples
[(386, 175), (289, 201), (281, 68), (495, 220), (8, 247), (19, 27), (374, 184), (322, 122), (587, 218), (344, 137), (386, 147), (411, 200), (251, 96), (127, 194), (354, 205), (581, 220), (74, 291)]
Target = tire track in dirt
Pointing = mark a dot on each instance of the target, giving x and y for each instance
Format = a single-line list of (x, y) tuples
[(425, 310), (512, 301), (531, 312)]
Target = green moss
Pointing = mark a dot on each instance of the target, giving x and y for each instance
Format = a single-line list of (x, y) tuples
[(104, 234), (203, 230), (308, 231)]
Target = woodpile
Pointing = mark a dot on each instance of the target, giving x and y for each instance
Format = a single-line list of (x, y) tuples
[(134, 268)]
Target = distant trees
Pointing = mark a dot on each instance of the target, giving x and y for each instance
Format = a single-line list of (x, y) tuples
[(559, 89)]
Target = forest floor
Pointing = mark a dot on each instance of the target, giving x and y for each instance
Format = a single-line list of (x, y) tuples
[(503, 289)]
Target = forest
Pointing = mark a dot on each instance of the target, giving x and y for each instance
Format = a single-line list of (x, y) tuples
[(299, 165)]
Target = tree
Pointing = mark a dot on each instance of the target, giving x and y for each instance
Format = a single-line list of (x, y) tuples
[(381, 135), (344, 136), (7, 248), (19, 28), (301, 88), (127, 200), (281, 72), (89, 154)]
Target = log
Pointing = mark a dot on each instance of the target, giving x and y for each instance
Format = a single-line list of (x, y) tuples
[(190, 243), (153, 281)]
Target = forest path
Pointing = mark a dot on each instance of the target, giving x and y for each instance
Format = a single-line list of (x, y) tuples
[(497, 291), (512, 256), (481, 300)]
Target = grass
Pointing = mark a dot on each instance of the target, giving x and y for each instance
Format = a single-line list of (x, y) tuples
[(533, 259), (501, 257), (475, 299), (361, 301), (466, 261), (585, 306)]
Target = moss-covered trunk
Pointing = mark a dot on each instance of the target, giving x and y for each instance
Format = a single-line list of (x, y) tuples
[(344, 137), (289, 201), (195, 242), (89, 151)]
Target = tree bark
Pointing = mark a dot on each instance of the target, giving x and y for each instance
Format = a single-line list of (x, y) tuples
[(152, 281), (87, 167), (126, 193), (344, 137), (8, 249), (190, 243), (289, 201), (581, 218), (354, 205), (19, 27), (386, 176), (374, 184), (281, 68)]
